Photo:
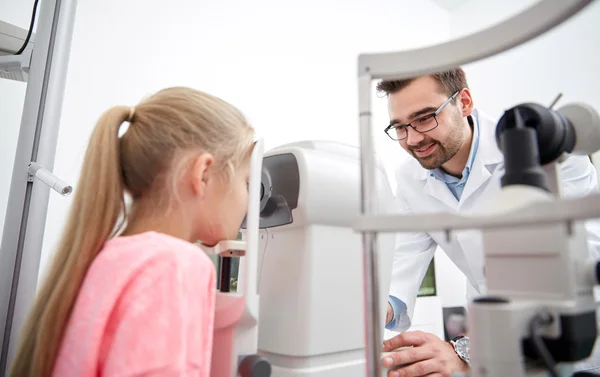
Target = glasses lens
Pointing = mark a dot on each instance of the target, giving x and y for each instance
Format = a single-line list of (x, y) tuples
[(400, 133), (391, 132), (425, 124)]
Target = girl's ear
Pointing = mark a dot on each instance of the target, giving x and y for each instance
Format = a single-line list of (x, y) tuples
[(202, 173)]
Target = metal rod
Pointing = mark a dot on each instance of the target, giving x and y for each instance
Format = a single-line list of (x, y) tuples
[(225, 274), (49, 179), (373, 339), (542, 213), (218, 263), (25, 222), (553, 174), (555, 100)]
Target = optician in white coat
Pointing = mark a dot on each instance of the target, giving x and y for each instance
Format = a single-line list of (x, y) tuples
[(423, 191)]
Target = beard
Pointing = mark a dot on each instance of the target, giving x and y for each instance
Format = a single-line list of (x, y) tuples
[(433, 161), (444, 150)]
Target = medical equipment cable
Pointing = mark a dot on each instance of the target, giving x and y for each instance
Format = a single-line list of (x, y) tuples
[(35, 5), (537, 342)]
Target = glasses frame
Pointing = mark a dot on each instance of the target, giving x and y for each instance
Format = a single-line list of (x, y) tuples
[(434, 115)]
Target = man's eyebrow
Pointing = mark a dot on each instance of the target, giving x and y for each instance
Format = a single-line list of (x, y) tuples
[(425, 110)]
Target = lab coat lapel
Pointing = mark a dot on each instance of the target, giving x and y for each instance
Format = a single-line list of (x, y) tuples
[(480, 173), (454, 248), (487, 158), (439, 190)]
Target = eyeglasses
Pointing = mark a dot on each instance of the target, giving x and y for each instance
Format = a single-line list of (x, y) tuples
[(421, 125)]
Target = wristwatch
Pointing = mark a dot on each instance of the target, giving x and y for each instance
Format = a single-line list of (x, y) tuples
[(461, 347)]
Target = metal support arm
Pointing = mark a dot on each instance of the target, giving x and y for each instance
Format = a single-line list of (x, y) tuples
[(563, 210), (521, 28)]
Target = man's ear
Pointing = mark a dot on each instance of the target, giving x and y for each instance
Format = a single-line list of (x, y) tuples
[(202, 173), (465, 102)]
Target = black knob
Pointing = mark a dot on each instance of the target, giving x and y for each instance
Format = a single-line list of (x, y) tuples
[(254, 366), (490, 300), (597, 272)]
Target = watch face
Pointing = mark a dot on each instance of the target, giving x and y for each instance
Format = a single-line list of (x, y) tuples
[(462, 348)]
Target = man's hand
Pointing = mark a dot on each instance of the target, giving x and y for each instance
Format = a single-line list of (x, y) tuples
[(390, 314), (428, 355)]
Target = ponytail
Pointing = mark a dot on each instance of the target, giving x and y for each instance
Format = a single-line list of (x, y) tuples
[(95, 216)]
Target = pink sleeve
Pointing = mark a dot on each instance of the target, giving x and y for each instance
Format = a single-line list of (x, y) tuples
[(163, 323)]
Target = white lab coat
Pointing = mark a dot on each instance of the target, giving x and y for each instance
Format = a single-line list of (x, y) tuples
[(418, 192)]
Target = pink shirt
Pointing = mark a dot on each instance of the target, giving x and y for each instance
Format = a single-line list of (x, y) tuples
[(146, 308)]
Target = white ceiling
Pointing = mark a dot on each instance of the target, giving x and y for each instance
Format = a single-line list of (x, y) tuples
[(450, 5)]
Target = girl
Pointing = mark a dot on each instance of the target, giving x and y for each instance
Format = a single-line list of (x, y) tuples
[(128, 294)]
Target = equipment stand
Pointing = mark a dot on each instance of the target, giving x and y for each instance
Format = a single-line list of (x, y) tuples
[(24, 226)]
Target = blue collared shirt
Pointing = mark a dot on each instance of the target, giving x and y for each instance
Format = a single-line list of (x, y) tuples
[(456, 186)]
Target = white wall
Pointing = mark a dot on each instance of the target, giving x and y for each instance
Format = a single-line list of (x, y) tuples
[(291, 70)]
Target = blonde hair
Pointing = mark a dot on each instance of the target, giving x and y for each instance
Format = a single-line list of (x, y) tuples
[(163, 129)]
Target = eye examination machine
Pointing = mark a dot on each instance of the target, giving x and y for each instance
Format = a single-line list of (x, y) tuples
[(311, 260), (299, 280)]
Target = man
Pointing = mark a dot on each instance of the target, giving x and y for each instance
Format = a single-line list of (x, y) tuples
[(456, 166)]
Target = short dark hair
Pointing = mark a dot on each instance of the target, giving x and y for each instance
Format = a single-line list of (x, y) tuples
[(451, 81)]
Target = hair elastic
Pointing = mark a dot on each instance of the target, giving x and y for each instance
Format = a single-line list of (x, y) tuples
[(131, 114)]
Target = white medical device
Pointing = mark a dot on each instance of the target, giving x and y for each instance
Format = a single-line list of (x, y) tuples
[(540, 309), (311, 260)]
